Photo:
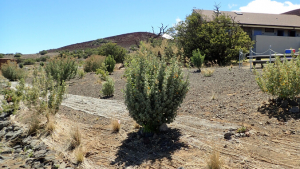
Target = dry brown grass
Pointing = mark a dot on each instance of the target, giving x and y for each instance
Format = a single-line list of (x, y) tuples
[(207, 72), (136, 126), (214, 161), (75, 139), (79, 155), (50, 126), (115, 124), (34, 124)]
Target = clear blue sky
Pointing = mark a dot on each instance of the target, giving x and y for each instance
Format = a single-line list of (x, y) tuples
[(29, 26)]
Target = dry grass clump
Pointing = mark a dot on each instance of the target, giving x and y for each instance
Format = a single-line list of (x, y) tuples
[(93, 63), (34, 125), (75, 139), (136, 126), (79, 155), (207, 72), (50, 126), (115, 126), (214, 161)]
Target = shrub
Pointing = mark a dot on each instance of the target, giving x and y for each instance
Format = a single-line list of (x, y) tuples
[(197, 59), (62, 69), (79, 155), (1, 55), (21, 65), (115, 124), (42, 64), (103, 72), (214, 161), (17, 55), (81, 73), (93, 63), (43, 52), (75, 139), (154, 91), (281, 79), (29, 61), (207, 72), (110, 64), (11, 71), (116, 51), (44, 58), (108, 87)]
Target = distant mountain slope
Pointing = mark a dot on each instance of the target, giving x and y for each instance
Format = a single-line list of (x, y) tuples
[(124, 40)]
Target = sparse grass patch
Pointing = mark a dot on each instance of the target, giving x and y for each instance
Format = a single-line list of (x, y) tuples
[(207, 72), (79, 155), (214, 96), (214, 161), (34, 124), (50, 126), (242, 129), (136, 126), (75, 139), (81, 73), (115, 126)]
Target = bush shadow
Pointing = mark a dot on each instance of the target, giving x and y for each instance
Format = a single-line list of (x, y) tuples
[(282, 110), (135, 149)]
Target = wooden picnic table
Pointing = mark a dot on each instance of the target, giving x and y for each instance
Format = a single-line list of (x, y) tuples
[(267, 58)]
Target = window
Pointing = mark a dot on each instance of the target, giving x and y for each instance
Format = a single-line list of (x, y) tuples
[(271, 30), (280, 33), (292, 33)]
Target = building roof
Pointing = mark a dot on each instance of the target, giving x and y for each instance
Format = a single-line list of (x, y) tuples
[(293, 12), (258, 19)]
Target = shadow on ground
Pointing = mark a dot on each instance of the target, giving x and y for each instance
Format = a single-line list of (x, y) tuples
[(283, 110), (135, 150)]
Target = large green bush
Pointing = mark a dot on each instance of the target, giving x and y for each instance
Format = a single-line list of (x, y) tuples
[(281, 79), (110, 63), (154, 91), (17, 55), (116, 51), (43, 52), (11, 71), (62, 69), (29, 61), (93, 63), (197, 59)]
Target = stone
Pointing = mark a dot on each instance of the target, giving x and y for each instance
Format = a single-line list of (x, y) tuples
[(4, 124), (284, 104), (227, 136), (14, 135), (40, 154), (237, 135), (163, 127), (40, 146), (4, 115), (29, 161), (27, 140), (7, 150), (34, 143), (294, 110), (2, 133)]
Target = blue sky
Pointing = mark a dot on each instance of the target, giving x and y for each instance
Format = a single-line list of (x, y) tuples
[(29, 26)]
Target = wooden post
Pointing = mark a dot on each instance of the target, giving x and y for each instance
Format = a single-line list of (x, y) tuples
[(270, 53), (250, 59)]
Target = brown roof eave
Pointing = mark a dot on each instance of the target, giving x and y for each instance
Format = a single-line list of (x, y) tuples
[(268, 26)]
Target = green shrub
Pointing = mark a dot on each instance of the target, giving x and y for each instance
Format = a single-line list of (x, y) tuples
[(102, 72), (44, 58), (154, 91), (62, 69), (110, 63), (93, 63), (116, 51), (81, 73), (11, 71), (21, 65), (29, 61), (1, 55), (108, 87), (197, 59), (281, 79), (42, 64), (17, 55), (43, 52)]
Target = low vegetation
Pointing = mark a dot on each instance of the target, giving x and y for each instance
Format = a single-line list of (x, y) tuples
[(62, 69), (117, 52), (108, 87), (153, 91), (110, 63), (43, 52), (115, 124), (207, 72), (214, 161), (18, 55), (280, 79), (197, 59), (75, 139), (93, 63), (11, 71)]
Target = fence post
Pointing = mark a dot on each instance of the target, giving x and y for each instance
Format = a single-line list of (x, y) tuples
[(250, 59), (240, 59), (270, 53)]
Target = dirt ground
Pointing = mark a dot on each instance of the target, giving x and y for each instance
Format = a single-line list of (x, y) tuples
[(214, 106)]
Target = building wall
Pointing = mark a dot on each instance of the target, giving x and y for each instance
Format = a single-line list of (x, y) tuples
[(278, 43)]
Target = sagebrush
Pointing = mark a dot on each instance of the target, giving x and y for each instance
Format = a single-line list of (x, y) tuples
[(93, 63), (11, 71), (154, 91)]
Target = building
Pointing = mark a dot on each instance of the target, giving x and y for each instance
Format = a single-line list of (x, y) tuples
[(281, 31)]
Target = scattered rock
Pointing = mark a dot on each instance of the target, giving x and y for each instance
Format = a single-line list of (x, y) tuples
[(294, 110), (4, 124), (284, 104), (227, 136)]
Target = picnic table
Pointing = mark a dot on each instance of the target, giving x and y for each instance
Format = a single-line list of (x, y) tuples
[(258, 58)]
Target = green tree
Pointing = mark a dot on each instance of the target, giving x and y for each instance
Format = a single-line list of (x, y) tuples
[(219, 39), (116, 51), (197, 59), (110, 63)]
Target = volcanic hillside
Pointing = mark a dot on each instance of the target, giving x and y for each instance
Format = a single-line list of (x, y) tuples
[(124, 40)]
